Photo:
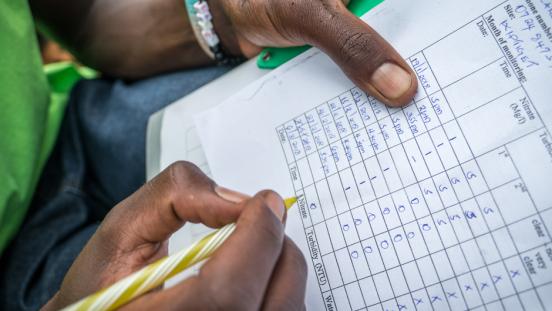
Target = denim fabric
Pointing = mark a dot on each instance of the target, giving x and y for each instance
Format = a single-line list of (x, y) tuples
[(98, 160)]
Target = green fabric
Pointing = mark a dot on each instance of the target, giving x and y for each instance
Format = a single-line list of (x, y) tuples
[(271, 58), (61, 78), (30, 114)]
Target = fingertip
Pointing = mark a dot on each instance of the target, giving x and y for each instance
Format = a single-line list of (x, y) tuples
[(396, 84), (368, 59), (274, 202)]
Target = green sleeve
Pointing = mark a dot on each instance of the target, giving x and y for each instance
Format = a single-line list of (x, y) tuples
[(31, 112)]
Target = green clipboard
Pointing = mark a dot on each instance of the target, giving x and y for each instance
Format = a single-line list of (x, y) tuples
[(271, 58)]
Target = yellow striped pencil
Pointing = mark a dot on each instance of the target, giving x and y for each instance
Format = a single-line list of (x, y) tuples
[(157, 273)]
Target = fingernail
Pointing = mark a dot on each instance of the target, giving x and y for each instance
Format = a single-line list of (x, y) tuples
[(275, 203), (391, 80), (230, 195), (278, 209)]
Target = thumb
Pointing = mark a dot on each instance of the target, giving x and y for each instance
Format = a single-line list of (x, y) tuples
[(365, 57)]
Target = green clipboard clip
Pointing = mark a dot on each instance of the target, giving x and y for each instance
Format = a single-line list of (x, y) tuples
[(271, 58)]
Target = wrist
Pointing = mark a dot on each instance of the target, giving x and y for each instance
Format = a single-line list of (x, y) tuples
[(224, 29), (213, 31)]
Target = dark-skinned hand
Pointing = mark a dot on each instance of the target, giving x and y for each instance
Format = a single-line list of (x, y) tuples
[(258, 267)]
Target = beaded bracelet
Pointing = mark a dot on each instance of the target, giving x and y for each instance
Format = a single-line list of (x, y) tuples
[(201, 20)]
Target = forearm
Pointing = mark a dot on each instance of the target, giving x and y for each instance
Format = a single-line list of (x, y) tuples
[(125, 38)]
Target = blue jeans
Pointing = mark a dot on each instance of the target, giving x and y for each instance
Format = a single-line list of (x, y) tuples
[(98, 160)]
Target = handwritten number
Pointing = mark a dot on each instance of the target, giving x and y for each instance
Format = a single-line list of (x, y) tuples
[(371, 217), (397, 238)]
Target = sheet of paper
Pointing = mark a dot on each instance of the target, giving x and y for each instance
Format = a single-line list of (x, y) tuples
[(445, 204)]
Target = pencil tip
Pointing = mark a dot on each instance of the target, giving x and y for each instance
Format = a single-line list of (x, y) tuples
[(289, 202)]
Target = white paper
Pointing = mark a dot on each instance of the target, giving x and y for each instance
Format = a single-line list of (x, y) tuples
[(445, 204)]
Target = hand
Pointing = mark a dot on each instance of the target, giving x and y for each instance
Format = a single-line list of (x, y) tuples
[(367, 59), (257, 267)]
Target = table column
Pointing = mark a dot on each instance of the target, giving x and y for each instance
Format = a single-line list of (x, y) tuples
[(295, 140)]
